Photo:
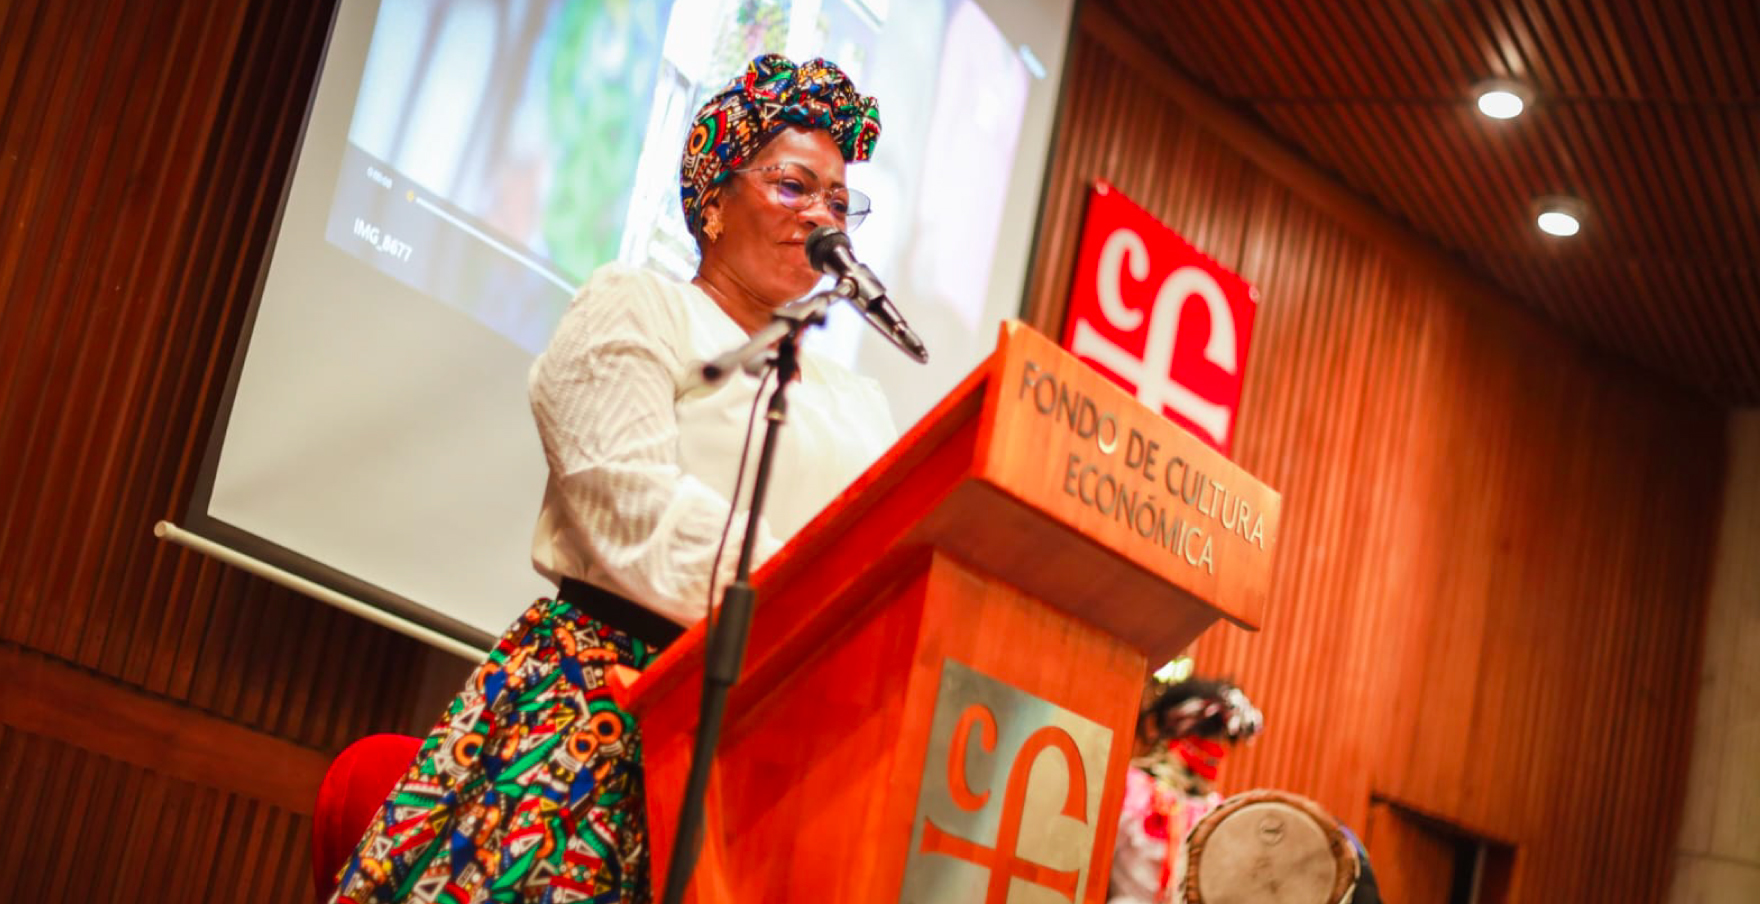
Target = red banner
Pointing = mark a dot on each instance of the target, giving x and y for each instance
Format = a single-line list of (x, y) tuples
[(1159, 317)]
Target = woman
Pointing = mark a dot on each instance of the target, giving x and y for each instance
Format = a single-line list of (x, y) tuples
[(1180, 735), (530, 786)]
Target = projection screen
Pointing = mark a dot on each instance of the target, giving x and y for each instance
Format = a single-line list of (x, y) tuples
[(465, 164)]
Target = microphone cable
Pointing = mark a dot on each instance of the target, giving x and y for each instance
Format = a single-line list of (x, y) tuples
[(739, 477)]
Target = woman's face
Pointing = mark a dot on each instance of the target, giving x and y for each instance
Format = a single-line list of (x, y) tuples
[(761, 238)]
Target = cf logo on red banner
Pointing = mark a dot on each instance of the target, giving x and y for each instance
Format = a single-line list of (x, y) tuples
[(1159, 317), (1046, 760)]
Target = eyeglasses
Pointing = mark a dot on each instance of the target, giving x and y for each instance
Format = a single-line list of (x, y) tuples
[(796, 189)]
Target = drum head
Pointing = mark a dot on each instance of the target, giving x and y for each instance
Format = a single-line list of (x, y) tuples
[(1268, 847)]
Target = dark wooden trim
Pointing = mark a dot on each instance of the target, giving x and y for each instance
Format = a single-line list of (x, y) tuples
[(52, 699)]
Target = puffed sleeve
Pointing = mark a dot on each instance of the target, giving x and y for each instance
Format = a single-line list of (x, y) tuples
[(603, 395)]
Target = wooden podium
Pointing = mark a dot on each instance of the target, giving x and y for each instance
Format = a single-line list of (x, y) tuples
[(938, 700)]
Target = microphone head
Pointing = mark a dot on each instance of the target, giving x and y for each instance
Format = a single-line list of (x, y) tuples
[(821, 243)]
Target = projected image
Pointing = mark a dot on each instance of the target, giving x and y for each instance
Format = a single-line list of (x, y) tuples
[(499, 151), (491, 147)]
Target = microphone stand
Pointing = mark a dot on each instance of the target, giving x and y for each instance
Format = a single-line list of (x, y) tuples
[(726, 644)]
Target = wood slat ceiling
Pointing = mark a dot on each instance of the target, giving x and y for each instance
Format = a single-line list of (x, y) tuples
[(1648, 111)]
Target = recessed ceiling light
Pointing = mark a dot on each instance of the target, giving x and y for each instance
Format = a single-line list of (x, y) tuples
[(1560, 216), (1557, 222), (1501, 99)]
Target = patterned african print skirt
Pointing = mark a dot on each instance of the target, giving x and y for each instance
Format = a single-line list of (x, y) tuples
[(530, 787)]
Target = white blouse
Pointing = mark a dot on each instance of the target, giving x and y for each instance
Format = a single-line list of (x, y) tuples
[(641, 470)]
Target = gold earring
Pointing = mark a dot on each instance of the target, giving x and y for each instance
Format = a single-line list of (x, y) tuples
[(712, 225)]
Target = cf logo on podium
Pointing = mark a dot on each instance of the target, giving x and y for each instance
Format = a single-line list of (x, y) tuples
[(1032, 841)]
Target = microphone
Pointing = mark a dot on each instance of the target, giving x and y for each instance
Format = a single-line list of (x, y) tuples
[(829, 252)]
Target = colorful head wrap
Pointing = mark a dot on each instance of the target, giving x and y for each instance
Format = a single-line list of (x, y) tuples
[(773, 94)]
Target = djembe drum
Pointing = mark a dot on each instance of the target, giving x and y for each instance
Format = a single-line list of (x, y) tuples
[(1268, 847)]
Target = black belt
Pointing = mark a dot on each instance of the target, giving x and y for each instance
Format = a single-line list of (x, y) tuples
[(655, 630)]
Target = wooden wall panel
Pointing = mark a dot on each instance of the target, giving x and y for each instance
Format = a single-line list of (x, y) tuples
[(99, 829), (169, 717), (1493, 561)]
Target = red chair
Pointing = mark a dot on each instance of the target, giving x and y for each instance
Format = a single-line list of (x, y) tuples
[(354, 786)]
